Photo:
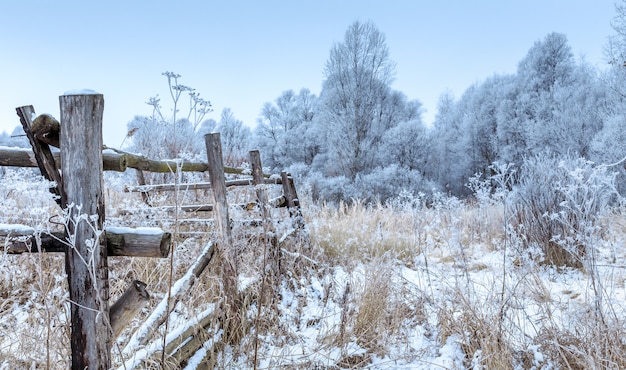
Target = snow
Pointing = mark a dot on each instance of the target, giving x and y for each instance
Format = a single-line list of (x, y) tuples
[(137, 230), (16, 229), (81, 92), (15, 149), (463, 274)]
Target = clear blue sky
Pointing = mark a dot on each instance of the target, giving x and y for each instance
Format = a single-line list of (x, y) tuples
[(241, 54)]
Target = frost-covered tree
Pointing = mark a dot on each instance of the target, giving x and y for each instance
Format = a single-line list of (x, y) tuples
[(285, 131), (447, 159), (354, 95), (546, 69), (235, 137), (407, 145), (548, 63), (550, 104), (206, 127), (17, 138)]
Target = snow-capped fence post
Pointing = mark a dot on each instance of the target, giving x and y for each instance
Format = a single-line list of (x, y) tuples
[(86, 255)]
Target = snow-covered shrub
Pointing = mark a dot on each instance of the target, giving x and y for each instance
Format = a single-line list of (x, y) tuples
[(556, 205), (330, 189), (381, 185), (385, 183)]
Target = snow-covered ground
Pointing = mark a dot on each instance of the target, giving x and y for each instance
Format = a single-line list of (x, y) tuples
[(382, 287)]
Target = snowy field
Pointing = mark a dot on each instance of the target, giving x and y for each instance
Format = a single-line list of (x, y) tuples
[(397, 286)]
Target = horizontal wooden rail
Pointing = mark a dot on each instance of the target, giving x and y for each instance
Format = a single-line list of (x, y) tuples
[(21, 157), (121, 241), (194, 186), (113, 161), (277, 202)]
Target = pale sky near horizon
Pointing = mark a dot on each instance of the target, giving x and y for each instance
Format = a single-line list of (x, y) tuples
[(241, 54)]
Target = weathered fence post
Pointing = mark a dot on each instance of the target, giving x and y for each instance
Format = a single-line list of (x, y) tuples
[(271, 253), (225, 248), (86, 254), (259, 181)]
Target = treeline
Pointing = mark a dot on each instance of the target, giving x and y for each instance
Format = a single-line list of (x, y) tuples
[(361, 139)]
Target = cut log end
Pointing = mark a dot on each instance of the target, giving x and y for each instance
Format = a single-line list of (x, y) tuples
[(47, 129), (128, 305)]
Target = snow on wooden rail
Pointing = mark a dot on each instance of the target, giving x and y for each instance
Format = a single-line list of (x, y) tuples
[(120, 241)]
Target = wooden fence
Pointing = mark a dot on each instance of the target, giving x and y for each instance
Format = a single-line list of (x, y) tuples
[(77, 172)]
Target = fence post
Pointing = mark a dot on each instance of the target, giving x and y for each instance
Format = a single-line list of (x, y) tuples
[(225, 244), (259, 182), (86, 256)]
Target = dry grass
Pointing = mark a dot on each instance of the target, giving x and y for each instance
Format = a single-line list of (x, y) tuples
[(366, 231), (500, 311)]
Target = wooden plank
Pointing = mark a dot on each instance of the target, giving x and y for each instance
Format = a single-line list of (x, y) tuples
[(41, 150), (82, 196), (140, 162)]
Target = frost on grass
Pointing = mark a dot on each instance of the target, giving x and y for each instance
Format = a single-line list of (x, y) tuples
[(398, 285)]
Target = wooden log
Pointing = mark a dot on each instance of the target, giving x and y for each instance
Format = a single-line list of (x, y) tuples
[(199, 322), (206, 207), (16, 230), (82, 196), (140, 162), (120, 241), (188, 208), (41, 151), (127, 306), (21, 157), (46, 129), (141, 242), (113, 161)]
